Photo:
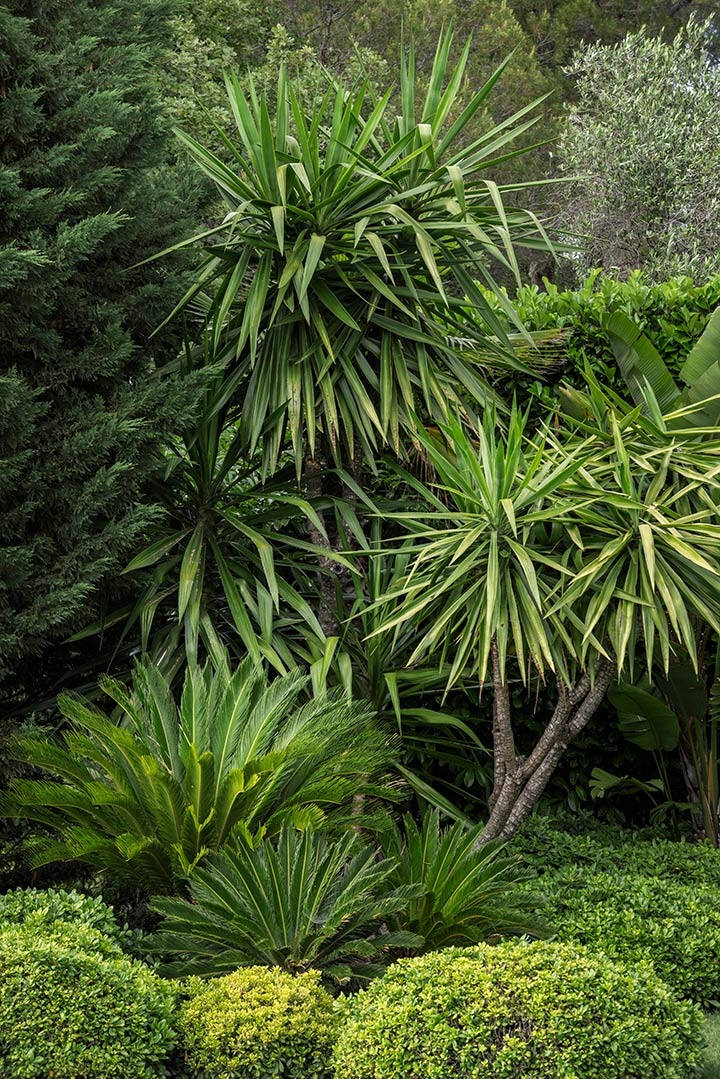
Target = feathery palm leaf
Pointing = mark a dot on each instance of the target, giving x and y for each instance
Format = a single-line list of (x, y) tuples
[(301, 902), (469, 893), (148, 798)]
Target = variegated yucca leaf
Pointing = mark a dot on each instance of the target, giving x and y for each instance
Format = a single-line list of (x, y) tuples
[(349, 257), (561, 548)]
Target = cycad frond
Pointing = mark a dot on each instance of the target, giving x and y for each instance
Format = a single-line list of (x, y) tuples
[(300, 902), (177, 781)]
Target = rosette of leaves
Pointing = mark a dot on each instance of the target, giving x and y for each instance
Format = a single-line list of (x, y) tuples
[(147, 796), (347, 261), (301, 902)]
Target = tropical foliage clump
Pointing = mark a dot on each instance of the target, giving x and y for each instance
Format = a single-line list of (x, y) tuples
[(146, 798), (344, 908)]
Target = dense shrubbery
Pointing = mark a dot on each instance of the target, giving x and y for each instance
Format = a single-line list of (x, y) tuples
[(541, 1010), (47, 908), (71, 1005), (635, 918), (259, 1023), (634, 899), (672, 314), (607, 848)]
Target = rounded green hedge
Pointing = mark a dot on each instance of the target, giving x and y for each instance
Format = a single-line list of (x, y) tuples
[(547, 846), (259, 1023), (49, 906), (632, 917), (73, 1006), (540, 1011)]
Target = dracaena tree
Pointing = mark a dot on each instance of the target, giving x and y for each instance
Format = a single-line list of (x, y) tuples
[(561, 559), (690, 684), (348, 260), (333, 298)]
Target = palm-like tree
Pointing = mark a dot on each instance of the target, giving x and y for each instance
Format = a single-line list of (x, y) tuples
[(690, 684), (146, 798), (227, 559), (348, 261), (568, 557)]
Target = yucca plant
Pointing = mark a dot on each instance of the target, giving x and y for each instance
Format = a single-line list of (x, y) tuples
[(348, 260), (690, 410), (565, 557), (145, 798), (228, 557), (468, 893), (301, 902)]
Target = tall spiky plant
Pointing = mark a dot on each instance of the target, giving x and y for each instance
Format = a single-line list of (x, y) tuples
[(569, 557), (349, 255)]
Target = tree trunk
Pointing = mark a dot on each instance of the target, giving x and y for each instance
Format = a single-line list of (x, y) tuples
[(519, 781), (327, 566)]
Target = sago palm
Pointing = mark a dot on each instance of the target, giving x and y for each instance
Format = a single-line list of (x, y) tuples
[(146, 798), (465, 894), (301, 903)]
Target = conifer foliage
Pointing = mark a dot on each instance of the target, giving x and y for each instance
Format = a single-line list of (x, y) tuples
[(86, 193)]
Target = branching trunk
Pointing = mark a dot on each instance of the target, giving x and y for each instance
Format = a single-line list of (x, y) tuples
[(519, 781)]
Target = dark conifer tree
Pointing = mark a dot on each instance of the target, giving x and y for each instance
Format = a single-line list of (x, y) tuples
[(87, 190)]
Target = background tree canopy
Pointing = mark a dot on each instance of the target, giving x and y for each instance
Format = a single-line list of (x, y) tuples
[(84, 171)]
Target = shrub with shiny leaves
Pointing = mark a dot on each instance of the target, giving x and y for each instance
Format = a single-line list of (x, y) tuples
[(259, 1023), (72, 1005), (540, 1011)]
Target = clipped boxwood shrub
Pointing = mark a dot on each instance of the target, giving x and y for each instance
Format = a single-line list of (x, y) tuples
[(258, 1023), (46, 907), (608, 848), (73, 1006), (540, 1011), (633, 917)]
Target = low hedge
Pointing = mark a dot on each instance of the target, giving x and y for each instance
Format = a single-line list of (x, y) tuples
[(636, 918), (73, 1006), (608, 848), (541, 1011), (258, 1023), (54, 905), (673, 314)]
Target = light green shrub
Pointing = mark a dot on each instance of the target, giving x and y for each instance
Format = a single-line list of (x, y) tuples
[(537, 1011), (72, 1006), (673, 314), (632, 917), (258, 1023), (55, 905)]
